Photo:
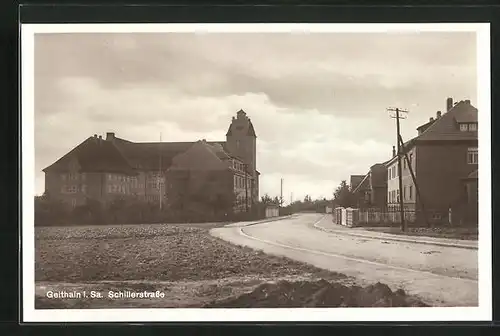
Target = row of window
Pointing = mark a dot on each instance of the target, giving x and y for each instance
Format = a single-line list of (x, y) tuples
[(121, 178), (468, 127), (393, 195), (238, 166), (472, 158), (73, 189), (393, 171), (239, 182), (240, 201), (73, 176), (118, 189)]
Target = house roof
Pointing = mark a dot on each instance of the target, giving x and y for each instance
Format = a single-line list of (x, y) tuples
[(199, 156), (94, 154), (446, 127), (355, 180), (363, 184)]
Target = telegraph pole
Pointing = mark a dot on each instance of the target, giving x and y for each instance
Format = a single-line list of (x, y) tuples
[(281, 194), (160, 179), (395, 113)]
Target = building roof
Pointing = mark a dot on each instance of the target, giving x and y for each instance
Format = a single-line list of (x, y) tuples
[(242, 123), (119, 155), (94, 155), (364, 184), (199, 156), (355, 180), (446, 127)]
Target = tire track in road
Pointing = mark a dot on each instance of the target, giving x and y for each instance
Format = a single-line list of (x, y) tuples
[(433, 288), (329, 254)]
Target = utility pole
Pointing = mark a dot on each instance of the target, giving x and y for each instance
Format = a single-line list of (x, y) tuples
[(281, 194), (160, 175), (395, 112)]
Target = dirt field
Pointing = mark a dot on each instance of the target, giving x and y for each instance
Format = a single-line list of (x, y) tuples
[(184, 263)]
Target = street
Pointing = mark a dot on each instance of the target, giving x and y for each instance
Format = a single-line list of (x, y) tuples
[(439, 275)]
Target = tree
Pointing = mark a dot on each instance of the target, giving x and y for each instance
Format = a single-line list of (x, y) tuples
[(50, 211), (266, 199), (343, 196)]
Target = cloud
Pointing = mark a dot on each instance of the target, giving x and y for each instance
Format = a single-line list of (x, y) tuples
[(317, 101)]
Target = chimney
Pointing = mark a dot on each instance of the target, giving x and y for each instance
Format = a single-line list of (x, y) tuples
[(467, 101), (438, 114), (95, 136), (100, 137), (449, 104), (393, 151), (431, 119), (110, 136)]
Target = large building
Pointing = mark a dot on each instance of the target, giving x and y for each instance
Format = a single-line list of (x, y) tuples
[(104, 169), (444, 159)]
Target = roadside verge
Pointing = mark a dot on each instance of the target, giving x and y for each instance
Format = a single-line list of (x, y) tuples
[(360, 233)]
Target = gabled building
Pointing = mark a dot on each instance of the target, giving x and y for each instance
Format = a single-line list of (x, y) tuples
[(371, 191), (442, 156), (104, 169)]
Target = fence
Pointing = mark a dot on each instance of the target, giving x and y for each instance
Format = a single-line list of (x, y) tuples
[(389, 217)]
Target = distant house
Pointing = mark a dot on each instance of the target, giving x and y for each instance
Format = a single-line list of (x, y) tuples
[(328, 209), (371, 191), (106, 169), (443, 155)]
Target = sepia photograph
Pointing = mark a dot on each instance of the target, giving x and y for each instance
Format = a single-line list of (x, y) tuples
[(176, 172)]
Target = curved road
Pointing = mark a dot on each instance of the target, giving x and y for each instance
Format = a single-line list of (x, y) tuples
[(439, 275)]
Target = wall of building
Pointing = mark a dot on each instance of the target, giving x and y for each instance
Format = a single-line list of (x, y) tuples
[(409, 191), (440, 173)]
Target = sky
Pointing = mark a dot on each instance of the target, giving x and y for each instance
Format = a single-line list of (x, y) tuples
[(317, 101)]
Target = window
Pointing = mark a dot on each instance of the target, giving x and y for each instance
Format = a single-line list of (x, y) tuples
[(410, 157), (388, 174), (73, 202), (472, 156), (235, 181), (464, 128), (397, 195), (404, 163), (63, 177), (411, 193), (84, 188), (404, 193), (472, 127)]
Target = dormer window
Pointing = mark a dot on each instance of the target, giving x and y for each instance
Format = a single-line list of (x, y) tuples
[(468, 127)]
